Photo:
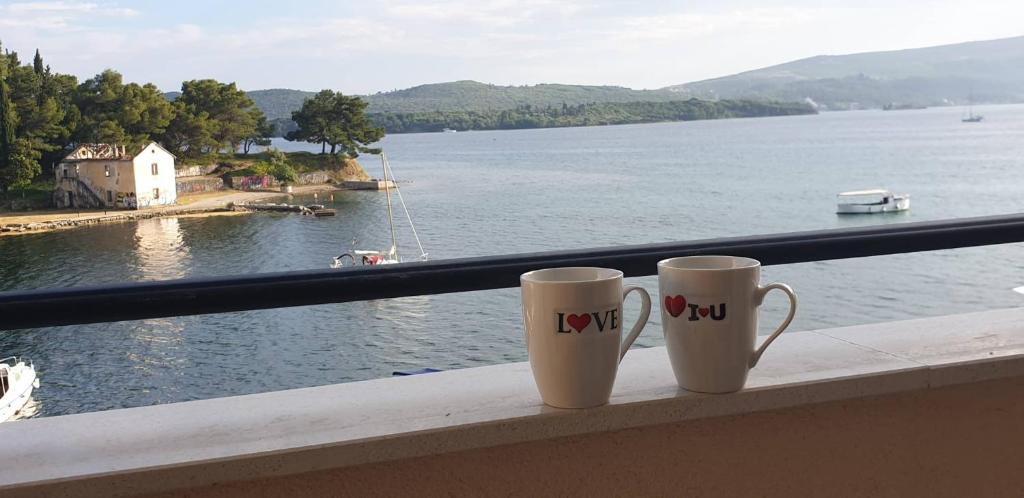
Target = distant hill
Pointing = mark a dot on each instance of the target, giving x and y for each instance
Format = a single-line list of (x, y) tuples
[(607, 113), (454, 99), (278, 103), (466, 96), (992, 70), (476, 96)]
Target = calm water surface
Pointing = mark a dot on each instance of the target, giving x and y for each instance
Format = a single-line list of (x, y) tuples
[(484, 193)]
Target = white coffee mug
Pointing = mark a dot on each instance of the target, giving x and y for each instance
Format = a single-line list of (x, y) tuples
[(709, 307), (573, 324)]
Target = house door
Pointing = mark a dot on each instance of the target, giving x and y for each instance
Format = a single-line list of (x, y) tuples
[(71, 199)]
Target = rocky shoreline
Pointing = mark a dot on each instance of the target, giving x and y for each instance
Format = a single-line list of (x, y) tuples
[(44, 226), (228, 202)]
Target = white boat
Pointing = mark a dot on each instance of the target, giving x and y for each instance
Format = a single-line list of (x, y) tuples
[(871, 201), (17, 379), (448, 130), (389, 256)]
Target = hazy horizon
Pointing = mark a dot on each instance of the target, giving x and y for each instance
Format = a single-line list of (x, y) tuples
[(392, 45)]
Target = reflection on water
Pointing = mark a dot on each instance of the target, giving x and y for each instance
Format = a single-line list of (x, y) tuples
[(31, 409), (161, 249), (401, 313), (409, 331), (518, 191)]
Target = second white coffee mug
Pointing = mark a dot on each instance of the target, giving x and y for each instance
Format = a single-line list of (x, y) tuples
[(709, 308), (573, 323)]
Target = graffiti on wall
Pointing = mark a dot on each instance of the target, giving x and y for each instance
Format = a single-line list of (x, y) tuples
[(252, 182), (185, 187)]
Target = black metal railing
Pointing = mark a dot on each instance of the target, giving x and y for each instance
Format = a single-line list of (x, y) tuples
[(194, 296)]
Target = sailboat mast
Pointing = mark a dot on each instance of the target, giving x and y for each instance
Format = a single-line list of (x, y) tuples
[(391, 218)]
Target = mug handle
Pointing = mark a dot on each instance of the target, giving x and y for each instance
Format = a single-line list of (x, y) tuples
[(759, 298), (645, 313)]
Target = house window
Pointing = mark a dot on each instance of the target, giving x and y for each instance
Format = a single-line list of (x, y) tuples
[(154, 168), (106, 170), (110, 196), (65, 171), (156, 191)]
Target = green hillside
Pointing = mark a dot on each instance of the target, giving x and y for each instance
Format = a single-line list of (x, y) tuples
[(469, 105), (278, 103), (992, 70), (598, 114), (466, 96), (475, 96)]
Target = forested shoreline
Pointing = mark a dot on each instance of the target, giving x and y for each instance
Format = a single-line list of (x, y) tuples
[(610, 113), (44, 114)]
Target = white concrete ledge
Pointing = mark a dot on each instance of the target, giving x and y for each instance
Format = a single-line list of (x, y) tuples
[(197, 443)]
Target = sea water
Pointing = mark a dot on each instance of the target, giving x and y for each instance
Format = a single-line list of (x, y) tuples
[(501, 192)]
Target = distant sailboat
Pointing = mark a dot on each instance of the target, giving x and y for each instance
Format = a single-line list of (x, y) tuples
[(971, 116)]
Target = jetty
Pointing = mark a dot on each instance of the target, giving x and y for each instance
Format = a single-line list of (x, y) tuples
[(317, 210), (372, 184)]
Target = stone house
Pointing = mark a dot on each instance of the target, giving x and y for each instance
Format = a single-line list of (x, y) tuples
[(108, 176)]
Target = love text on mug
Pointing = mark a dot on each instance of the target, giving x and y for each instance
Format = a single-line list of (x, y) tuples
[(594, 322), (678, 306)]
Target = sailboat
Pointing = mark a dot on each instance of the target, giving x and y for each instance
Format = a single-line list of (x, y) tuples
[(389, 256), (971, 116)]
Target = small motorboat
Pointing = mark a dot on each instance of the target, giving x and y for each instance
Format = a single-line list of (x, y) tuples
[(871, 201), (17, 379)]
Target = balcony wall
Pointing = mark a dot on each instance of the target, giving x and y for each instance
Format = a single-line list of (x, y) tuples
[(928, 407), (954, 441)]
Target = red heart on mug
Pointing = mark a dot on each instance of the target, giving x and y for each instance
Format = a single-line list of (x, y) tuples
[(675, 305), (703, 311), (578, 322)]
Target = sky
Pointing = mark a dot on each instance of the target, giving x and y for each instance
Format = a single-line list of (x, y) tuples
[(367, 46)]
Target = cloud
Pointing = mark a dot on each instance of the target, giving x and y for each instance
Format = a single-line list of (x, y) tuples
[(489, 13), (57, 15), (398, 43), (683, 26)]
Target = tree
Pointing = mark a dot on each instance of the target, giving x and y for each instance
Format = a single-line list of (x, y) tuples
[(22, 165), (38, 118), (37, 64), (7, 124), (279, 167), (355, 130), (337, 120), (40, 115), (314, 120), (232, 117), (19, 161), (189, 133), (113, 112), (261, 133)]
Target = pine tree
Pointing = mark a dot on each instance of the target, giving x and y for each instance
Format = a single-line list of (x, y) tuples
[(37, 63), (7, 125), (334, 119)]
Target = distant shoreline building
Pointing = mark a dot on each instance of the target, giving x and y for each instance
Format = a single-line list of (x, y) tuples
[(107, 176)]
